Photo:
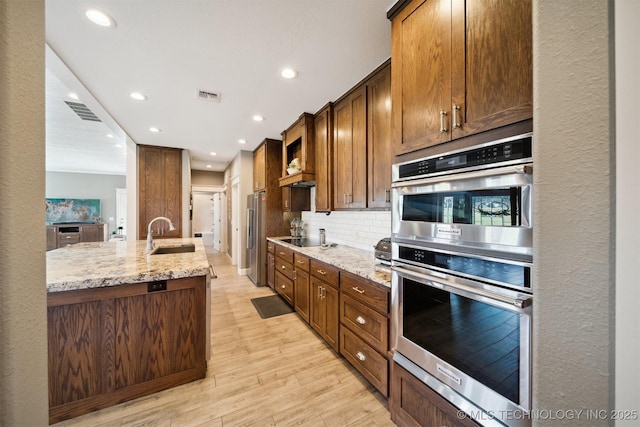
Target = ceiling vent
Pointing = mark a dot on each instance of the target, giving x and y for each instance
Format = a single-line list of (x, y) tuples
[(207, 96), (83, 111)]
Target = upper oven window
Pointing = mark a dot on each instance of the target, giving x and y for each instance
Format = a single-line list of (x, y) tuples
[(499, 207)]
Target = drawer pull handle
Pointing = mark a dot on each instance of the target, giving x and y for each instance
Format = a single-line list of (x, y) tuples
[(300, 262), (282, 253), (322, 272), (358, 290), (361, 320), (361, 356)]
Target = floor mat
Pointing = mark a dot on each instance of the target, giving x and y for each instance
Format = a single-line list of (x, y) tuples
[(271, 306)]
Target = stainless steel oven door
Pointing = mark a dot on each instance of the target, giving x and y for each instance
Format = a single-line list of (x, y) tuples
[(487, 211), (475, 341)]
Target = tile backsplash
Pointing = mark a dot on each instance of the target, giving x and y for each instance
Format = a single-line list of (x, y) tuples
[(360, 229)]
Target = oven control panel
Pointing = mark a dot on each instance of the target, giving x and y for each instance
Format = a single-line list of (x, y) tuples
[(512, 149), (516, 275)]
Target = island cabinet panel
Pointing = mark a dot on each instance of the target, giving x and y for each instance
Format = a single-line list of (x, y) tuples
[(155, 336), (459, 68), (113, 344)]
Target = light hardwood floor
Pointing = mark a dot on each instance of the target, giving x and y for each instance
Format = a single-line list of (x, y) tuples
[(262, 372)]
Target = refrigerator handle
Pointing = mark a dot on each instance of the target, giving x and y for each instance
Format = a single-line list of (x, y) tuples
[(249, 228)]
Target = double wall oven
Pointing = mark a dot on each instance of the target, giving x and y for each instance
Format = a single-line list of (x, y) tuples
[(462, 255)]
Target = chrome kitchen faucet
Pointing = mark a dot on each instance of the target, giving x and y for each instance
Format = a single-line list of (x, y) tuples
[(150, 237)]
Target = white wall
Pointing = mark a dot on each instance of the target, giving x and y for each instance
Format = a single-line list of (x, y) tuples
[(240, 172), (23, 305), (574, 198), (627, 346), (87, 186)]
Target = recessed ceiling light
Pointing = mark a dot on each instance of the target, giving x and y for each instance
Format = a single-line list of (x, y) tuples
[(154, 130), (138, 96), (74, 95), (258, 118), (213, 153), (109, 135), (242, 141), (288, 73), (100, 18), (209, 166)]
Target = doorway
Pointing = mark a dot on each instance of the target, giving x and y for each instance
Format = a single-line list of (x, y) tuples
[(204, 217)]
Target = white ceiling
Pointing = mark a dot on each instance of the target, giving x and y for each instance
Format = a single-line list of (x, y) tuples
[(167, 49)]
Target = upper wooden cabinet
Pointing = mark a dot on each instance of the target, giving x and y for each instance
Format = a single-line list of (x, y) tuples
[(362, 147), (259, 168), (459, 68), (159, 190), (298, 142), (350, 150), (323, 123), (379, 151)]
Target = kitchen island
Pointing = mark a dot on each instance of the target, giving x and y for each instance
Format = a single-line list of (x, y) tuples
[(123, 322)]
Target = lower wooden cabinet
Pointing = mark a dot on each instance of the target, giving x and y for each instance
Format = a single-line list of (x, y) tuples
[(373, 365), (413, 403), (110, 345), (284, 286), (62, 235), (325, 304), (302, 286)]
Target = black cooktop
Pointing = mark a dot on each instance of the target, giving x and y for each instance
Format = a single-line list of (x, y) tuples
[(301, 242)]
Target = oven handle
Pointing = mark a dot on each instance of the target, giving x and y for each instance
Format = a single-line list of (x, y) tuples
[(525, 169), (516, 302)]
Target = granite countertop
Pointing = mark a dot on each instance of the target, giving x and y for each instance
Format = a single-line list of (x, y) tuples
[(353, 260), (101, 264)]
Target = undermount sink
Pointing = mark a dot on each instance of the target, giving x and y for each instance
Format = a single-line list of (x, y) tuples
[(174, 249)]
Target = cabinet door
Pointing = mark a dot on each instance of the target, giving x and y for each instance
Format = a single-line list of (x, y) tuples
[(92, 233), (317, 311), (301, 290), (492, 73), (350, 148), (324, 140), (379, 139), (296, 199), (332, 316), (160, 192), (421, 75), (259, 169), (271, 269)]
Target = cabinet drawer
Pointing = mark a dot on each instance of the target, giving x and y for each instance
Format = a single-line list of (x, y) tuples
[(284, 267), (68, 239), (325, 272), (365, 322), (365, 291), (366, 360), (301, 261), (284, 286), (285, 254), (270, 246)]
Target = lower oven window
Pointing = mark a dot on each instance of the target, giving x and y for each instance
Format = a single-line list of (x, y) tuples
[(477, 338)]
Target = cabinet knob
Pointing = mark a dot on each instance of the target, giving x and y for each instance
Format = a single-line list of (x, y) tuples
[(361, 356), (361, 320), (283, 286), (284, 267)]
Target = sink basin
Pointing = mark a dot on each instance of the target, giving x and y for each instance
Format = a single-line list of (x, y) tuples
[(173, 249)]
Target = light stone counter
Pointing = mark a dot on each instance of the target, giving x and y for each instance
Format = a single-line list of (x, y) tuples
[(353, 260), (100, 264)]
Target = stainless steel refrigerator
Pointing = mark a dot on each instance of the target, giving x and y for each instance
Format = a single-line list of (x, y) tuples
[(257, 238)]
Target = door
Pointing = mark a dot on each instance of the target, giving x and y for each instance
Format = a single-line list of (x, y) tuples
[(204, 216), (217, 222), (121, 211)]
